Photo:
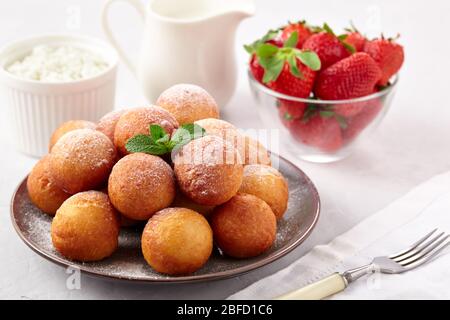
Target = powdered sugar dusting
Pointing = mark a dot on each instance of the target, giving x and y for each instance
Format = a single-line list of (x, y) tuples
[(85, 147), (127, 262)]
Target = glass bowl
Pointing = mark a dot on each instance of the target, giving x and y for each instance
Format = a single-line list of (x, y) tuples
[(321, 131)]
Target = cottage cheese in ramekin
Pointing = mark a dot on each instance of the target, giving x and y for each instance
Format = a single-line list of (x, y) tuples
[(49, 79), (62, 63)]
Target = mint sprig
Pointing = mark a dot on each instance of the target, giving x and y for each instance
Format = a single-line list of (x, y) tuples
[(158, 142), (273, 59)]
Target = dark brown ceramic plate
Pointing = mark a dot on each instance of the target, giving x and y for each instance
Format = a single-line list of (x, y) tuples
[(127, 262)]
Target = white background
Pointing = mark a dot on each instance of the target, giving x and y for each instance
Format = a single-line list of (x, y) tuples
[(410, 146)]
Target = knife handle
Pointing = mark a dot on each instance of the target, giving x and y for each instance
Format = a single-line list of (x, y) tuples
[(321, 289)]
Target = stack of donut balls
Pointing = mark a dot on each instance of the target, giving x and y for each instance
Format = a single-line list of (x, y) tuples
[(219, 188)]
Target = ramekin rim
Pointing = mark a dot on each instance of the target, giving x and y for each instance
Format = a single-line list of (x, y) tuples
[(74, 36)]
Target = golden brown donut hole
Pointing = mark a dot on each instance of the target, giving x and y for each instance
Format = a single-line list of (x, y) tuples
[(67, 127), (81, 160), (107, 124), (86, 227), (188, 103), (250, 150), (268, 184), (43, 191), (244, 227), (177, 241), (140, 185), (137, 121), (208, 170)]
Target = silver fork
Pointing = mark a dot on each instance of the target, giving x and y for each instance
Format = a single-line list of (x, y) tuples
[(416, 255)]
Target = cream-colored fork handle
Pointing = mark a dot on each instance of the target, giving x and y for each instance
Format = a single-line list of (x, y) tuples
[(318, 290)]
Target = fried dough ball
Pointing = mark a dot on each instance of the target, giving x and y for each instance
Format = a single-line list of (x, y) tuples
[(218, 128), (67, 127), (209, 170), (182, 201), (177, 241), (254, 152), (86, 227), (244, 227), (268, 184), (140, 185), (107, 124), (137, 121), (250, 150), (188, 103), (81, 160), (43, 191)]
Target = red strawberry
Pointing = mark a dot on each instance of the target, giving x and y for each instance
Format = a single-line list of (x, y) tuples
[(292, 85), (328, 47), (356, 40), (361, 121), (290, 111), (302, 29), (388, 54), (319, 132), (256, 69), (351, 109), (352, 77), (287, 70)]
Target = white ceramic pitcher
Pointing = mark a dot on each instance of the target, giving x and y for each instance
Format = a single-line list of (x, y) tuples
[(186, 41)]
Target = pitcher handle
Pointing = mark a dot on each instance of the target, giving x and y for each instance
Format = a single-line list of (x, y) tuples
[(140, 8)]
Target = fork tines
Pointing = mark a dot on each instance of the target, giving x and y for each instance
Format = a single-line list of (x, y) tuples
[(422, 251)]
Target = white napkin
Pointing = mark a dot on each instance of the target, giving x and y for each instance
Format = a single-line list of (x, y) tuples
[(390, 230)]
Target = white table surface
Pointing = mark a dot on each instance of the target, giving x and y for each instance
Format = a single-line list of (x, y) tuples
[(410, 146)]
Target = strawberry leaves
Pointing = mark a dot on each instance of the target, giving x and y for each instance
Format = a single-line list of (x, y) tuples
[(252, 48), (325, 111), (341, 38), (273, 58), (158, 141), (292, 41)]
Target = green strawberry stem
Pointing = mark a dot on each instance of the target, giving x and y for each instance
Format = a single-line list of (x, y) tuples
[(273, 59)]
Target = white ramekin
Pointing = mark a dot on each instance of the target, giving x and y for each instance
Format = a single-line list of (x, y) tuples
[(36, 108)]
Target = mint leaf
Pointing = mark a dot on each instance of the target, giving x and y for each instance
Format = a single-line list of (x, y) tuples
[(195, 130), (143, 143), (292, 41), (186, 133), (163, 140), (310, 59), (156, 132), (266, 50)]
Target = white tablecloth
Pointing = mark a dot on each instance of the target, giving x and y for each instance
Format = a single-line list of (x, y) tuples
[(410, 146), (391, 230)]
